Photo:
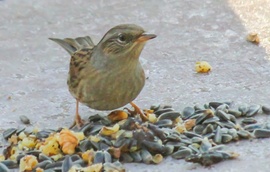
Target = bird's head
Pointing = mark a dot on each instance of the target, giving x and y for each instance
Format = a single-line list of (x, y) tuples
[(126, 40)]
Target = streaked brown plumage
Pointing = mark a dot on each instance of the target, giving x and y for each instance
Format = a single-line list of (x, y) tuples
[(108, 75)]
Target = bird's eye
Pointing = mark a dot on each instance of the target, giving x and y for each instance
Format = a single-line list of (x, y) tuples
[(122, 38)]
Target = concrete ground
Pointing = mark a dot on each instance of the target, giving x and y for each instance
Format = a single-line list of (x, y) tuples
[(33, 70)]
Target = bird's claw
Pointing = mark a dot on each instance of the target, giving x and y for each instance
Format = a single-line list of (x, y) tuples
[(77, 122), (136, 111)]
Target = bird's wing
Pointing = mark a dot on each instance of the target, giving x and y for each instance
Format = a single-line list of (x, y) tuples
[(72, 45), (80, 49), (79, 63)]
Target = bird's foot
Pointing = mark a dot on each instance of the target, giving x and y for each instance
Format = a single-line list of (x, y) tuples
[(136, 111), (77, 122)]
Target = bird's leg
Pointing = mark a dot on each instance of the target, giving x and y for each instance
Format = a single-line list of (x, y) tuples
[(77, 121), (137, 110)]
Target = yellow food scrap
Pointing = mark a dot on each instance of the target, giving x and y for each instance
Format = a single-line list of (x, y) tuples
[(35, 130), (50, 146), (39, 169), (117, 134), (254, 38), (88, 156), (203, 67), (178, 120), (180, 128), (152, 117), (80, 135), (2, 157), (107, 131), (94, 138), (27, 142), (57, 157), (13, 139), (28, 162), (234, 154), (22, 135), (117, 115), (68, 141), (157, 158), (190, 123), (14, 152)]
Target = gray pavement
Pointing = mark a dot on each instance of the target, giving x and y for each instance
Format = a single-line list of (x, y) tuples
[(33, 70)]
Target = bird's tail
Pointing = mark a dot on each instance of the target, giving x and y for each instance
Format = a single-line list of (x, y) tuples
[(72, 45)]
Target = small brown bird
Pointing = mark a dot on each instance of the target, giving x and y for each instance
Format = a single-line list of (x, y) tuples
[(108, 75)]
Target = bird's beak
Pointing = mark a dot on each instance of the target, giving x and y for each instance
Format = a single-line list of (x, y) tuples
[(145, 37)]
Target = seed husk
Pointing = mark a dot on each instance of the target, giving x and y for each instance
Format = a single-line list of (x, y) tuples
[(261, 133), (253, 110), (10, 164), (3, 168), (187, 112), (116, 166), (136, 156), (146, 156), (172, 115), (181, 154), (266, 109), (24, 119), (218, 135), (249, 120), (67, 163), (161, 111), (9, 132)]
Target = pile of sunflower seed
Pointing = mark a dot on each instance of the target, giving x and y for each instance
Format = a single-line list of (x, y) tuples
[(198, 135)]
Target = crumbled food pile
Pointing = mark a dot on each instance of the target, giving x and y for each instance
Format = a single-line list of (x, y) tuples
[(198, 135)]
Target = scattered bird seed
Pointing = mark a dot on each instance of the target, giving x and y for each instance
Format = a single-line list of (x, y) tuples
[(198, 135), (24, 119)]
